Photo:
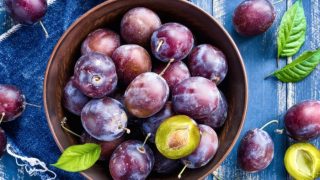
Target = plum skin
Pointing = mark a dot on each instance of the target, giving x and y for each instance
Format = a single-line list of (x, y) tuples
[(12, 102), (253, 17), (130, 162), (131, 60), (256, 151), (138, 24), (302, 121), (103, 41)]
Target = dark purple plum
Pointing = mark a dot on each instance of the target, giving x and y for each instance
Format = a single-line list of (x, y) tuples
[(151, 124), (95, 75), (3, 142), (163, 165), (107, 147), (253, 17), (12, 102), (104, 119), (131, 60), (138, 24), (302, 121), (255, 151), (146, 95), (26, 11), (174, 74), (103, 41), (171, 42), (73, 99), (218, 117), (205, 151), (196, 97), (131, 160), (208, 61)]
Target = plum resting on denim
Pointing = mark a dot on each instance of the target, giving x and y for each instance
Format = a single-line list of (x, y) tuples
[(146, 95), (172, 41), (95, 75), (138, 24), (104, 119), (131, 60), (302, 121), (102, 41), (131, 160), (12, 102)]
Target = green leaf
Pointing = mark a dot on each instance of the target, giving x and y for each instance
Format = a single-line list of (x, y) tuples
[(79, 157), (300, 68), (292, 30)]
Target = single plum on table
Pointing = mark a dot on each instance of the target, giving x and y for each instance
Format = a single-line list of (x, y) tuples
[(131, 160), (104, 119), (255, 151), (12, 102), (196, 97), (131, 60), (107, 147), (138, 24), (146, 95), (95, 75), (253, 17), (218, 117), (26, 11), (302, 121), (3, 142), (163, 165), (175, 73), (208, 61), (73, 99), (103, 41), (172, 42), (151, 124)]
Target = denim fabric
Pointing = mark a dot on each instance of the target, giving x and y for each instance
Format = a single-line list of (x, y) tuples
[(23, 59)]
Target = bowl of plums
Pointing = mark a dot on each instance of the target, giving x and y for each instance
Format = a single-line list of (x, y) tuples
[(145, 90)]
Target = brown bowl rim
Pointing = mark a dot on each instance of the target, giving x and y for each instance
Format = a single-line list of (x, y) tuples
[(74, 24)]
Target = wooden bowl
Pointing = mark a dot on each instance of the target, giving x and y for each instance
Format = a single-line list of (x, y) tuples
[(108, 14)]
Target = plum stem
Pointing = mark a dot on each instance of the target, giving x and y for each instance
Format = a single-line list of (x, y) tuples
[(44, 29), (268, 123), (160, 43), (141, 148), (167, 66), (63, 125), (33, 105), (183, 169), (216, 175), (2, 117), (128, 131), (279, 131)]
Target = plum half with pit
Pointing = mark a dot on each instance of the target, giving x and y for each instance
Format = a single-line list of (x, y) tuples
[(174, 74), (177, 137), (302, 121), (12, 102), (138, 24), (104, 119), (131, 60), (73, 99), (95, 75), (218, 117), (151, 124), (208, 61), (172, 42), (255, 151), (3, 142), (253, 17), (146, 95), (131, 160), (103, 41), (196, 97)]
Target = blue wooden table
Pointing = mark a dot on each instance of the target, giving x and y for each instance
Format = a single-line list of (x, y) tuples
[(268, 99)]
